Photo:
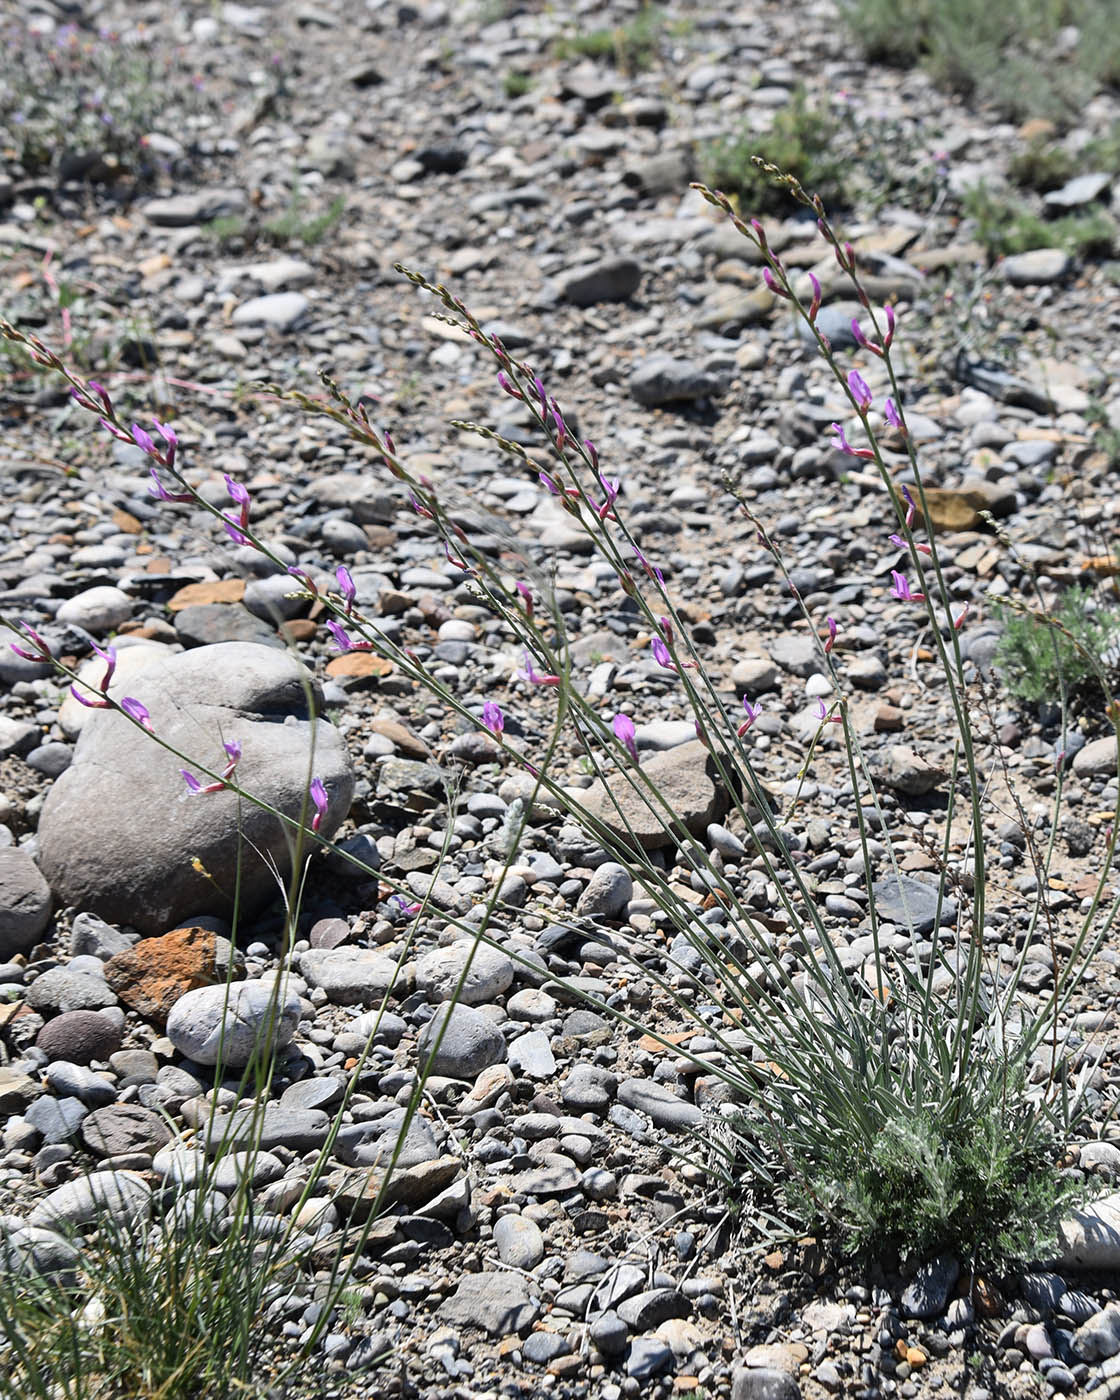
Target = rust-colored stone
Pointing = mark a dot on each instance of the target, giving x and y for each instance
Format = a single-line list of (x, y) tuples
[(151, 976)]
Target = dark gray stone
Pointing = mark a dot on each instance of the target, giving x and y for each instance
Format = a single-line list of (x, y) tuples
[(928, 1291), (500, 1303)]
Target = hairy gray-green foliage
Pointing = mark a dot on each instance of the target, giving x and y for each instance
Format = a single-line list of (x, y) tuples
[(1040, 656)]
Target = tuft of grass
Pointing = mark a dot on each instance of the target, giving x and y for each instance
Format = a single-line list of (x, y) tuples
[(801, 141), (1041, 656), (1010, 226)]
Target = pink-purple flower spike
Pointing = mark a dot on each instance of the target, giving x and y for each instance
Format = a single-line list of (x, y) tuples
[(624, 732), (318, 794)]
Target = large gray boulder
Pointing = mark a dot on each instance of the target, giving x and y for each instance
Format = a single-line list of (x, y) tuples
[(121, 836)]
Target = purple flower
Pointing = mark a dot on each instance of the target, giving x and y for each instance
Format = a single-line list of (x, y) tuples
[(815, 305), (623, 727), (492, 717), (661, 654), (168, 435), (831, 635), (527, 597), (651, 569), (346, 587), (41, 653), (97, 704), (528, 674), (753, 711), (775, 287), (304, 578), (911, 508), (233, 755), (846, 447), (143, 441), (858, 336), (318, 795), (161, 493), (236, 526), (903, 591), (611, 488), (890, 413), (138, 712), (342, 639), (959, 623), (510, 388), (859, 391), (824, 716), (407, 905)]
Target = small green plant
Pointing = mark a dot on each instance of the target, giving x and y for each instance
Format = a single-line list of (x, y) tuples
[(631, 47), (516, 84), (296, 225), (1043, 655), (801, 141), (225, 229), (1006, 226)]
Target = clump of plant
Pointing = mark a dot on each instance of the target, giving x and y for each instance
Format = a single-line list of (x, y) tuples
[(631, 47), (802, 141), (91, 106), (1006, 226), (1068, 650), (516, 83), (294, 224), (999, 54)]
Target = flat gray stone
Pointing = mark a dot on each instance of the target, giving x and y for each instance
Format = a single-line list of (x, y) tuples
[(610, 279), (141, 871), (661, 379), (1037, 268), (350, 976), (62, 989), (904, 900), (1099, 1338), (500, 1303), (518, 1241), (1090, 1237), (280, 310), (928, 1291)]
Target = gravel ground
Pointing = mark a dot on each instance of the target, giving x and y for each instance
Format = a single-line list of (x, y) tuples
[(552, 1238)]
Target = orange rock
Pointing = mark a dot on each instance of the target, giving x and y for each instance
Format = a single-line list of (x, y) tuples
[(359, 665), (401, 738), (298, 629), (221, 590), (916, 1357), (153, 975)]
